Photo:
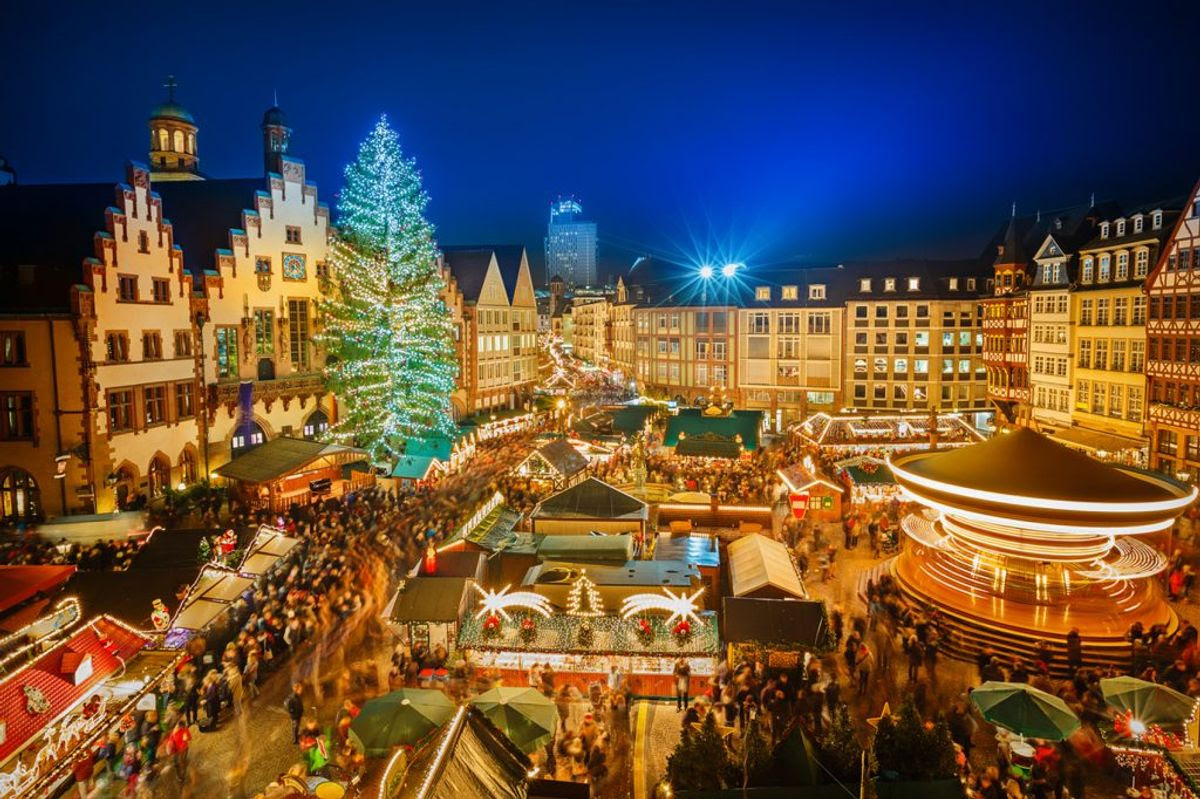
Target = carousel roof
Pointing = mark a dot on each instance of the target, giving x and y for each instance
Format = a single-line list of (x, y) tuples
[(1029, 465)]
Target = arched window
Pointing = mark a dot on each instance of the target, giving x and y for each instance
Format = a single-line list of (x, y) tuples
[(245, 440), (187, 467), (316, 424), (159, 476), (191, 144), (19, 496), (178, 141), (163, 139)]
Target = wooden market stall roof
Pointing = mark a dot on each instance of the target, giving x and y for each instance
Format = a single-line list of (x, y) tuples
[(432, 599), (591, 499), (211, 595), (561, 457), (695, 432), (866, 470), (19, 583), (779, 623), (267, 548), (584, 548), (762, 567), (469, 757), (280, 457)]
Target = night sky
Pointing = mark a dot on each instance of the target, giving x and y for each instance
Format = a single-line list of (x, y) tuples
[(688, 130)]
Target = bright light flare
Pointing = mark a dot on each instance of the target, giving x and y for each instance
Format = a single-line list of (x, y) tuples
[(731, 269), (497, 603), (706, 272), (680, 606)]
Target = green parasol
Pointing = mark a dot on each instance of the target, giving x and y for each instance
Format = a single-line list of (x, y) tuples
[(1148, 702), (1025, 710), (401, 717), (525, 715)]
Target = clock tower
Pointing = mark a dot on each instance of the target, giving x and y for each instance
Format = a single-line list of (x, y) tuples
[(276, 135)]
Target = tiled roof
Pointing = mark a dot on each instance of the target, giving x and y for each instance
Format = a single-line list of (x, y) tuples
[(202, 212), (107, 643), (45, 233)]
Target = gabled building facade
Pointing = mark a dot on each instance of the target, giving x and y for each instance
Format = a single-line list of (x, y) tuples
[(1173, 347)]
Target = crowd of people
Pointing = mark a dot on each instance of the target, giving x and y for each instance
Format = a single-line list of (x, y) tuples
[(107, 555)]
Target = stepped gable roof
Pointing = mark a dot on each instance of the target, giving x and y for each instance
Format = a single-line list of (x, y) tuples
[(1025, 464), (46, 231), (469, 264), (202, 213), (591, 499)]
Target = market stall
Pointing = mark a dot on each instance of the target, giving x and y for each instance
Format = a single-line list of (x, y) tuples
[(556, 465), (590, 506), (870, 479), (857, 433), (269, 548)]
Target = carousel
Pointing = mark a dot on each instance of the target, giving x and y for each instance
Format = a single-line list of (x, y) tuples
[(1022, 540)]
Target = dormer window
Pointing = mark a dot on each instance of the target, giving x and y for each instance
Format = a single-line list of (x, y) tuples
[(1104, 230), (762, 293), (816, 291), (1120, 227), (790, 293), (914, 284), (1156, 220), (889, 284), (970, 284), (864, 284), (1137, 224), (954, 284)]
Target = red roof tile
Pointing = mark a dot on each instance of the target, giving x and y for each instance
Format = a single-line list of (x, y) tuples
[(108, 644)]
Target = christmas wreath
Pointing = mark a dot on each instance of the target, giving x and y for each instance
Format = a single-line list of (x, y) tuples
[(528, 629), (644, 629), (683, 630), (491, 626)]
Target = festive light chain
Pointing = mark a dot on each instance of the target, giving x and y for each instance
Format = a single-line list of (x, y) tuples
[(679, 606), (497, 603)]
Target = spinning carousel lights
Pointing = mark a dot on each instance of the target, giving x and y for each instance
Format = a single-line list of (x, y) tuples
[(1166, 505)]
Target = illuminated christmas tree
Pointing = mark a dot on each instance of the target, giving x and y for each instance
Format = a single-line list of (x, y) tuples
[(584, 599), (387, 330)]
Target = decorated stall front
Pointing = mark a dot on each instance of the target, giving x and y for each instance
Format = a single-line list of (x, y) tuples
[(293, 471), (590, 506), (810, 494), (870, 479), (426, 610), (713, 432), (205, 606), (643, 635), (555, 465), (859, 433)]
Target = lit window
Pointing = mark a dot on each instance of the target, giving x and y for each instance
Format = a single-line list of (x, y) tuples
[(914, 284), (762, 293), (889, 284), (954, 284), (864, 284), (790, 292), (816, 291)]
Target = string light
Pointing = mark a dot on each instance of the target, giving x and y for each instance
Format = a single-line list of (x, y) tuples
[(584, 600), (680, 606), (497, 603)]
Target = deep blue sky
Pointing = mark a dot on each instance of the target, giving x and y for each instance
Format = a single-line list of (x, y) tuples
[(761, 130)]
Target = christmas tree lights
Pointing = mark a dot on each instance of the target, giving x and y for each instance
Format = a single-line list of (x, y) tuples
[(583, 599), (387, 330)]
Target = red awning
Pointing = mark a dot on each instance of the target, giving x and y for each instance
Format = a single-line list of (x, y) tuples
[(19, 583)]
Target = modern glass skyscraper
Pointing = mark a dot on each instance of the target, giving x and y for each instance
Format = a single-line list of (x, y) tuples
[(570, 245)]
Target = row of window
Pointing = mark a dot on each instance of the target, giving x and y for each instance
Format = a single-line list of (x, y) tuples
[(865, 284), (147, 406), (920, 338), (1100, 269), (900, 392), (920, 366), (1123, 312), (1049, 334), (1180, 306), (127, 289), (1168, 444), (1109, 399), (1169, 392), (1178, 348), (116, 345), (1102, 353), (1051, 303), (1138, 222), (1050, 366), (1052, 399), (816, 291)]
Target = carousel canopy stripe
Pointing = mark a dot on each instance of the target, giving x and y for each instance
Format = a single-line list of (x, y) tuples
[(280, 457), (429, 599), (1016, 467), (693, 423), (757, 562), (777, 623), (1135, 560), (615, 548), (591, 499)]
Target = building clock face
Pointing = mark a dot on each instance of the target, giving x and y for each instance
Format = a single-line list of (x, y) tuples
[(293, 267)]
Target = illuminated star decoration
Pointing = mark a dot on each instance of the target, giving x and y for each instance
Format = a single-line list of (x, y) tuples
[(680, 606), (884, 713), (497, 603)]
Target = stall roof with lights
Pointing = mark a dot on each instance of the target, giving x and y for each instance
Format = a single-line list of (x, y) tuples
[(20, 583), (762, 567), (435, 599), (268, 548), (694, 432), (560, 457), (469, 757), (591, 499), (608, 548), (283, 456)]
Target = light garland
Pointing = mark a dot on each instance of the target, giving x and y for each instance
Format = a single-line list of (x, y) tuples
[(583, 591), (498, 603), (443, 748), (679, 606)]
